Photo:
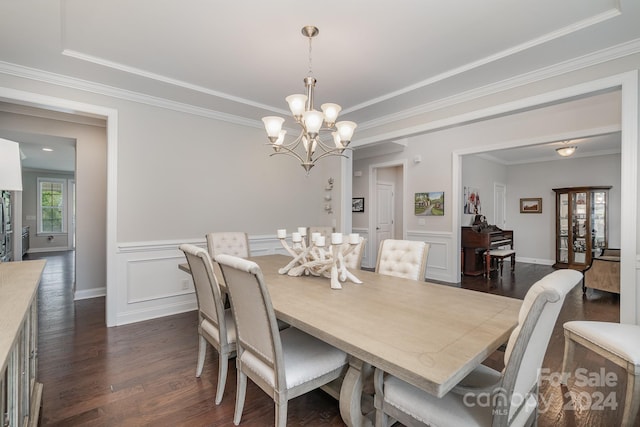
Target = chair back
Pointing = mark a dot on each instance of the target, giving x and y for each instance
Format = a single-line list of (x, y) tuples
[(234, 243), (258, 337), (323, 230), (353, 260), (208, 295), (528, 342), (402, 258)]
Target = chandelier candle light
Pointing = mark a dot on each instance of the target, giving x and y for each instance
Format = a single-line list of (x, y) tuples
[(317, 260), (310, 121)]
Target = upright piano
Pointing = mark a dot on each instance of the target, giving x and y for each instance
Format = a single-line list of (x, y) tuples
[(477, 239)]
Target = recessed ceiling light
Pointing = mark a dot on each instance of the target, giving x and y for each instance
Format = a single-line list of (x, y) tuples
[(47, 149)]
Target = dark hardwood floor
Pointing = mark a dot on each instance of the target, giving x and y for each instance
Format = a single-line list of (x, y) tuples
[(144, 374)]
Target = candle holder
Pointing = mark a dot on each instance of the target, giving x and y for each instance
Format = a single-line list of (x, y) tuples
[(316, 260)]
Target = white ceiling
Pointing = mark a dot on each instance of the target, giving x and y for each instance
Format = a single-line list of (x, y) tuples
[(241, 58)]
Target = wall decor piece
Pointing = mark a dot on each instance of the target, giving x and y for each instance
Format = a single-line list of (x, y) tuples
[(357, 204), (531, 205), (429, 204), (472, 201)]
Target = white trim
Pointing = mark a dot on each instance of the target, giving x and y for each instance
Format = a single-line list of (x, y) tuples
[(168, 80), (111, 115), (608, 54), (90, 293), (51, 249), (101, 89)]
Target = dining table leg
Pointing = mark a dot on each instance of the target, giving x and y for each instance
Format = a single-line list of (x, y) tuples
[(351, 394)]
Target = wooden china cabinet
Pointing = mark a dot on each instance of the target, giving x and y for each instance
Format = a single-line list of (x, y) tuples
[(581, 225)]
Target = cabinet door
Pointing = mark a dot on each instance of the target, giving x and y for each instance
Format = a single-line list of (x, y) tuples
[(563, 228), (598, 222), (580, 227)]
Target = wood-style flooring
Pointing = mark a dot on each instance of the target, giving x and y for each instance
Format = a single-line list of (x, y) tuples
[(144, 374)]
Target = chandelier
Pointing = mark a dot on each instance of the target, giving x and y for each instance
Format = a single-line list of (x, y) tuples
[(311, 122)]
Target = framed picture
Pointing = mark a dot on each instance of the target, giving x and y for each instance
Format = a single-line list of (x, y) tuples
[(357, 204), (429, 204), (533, 205)]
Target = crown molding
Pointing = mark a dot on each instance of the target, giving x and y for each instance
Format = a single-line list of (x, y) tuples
[(609, 54), (101, 89), (604, 55)]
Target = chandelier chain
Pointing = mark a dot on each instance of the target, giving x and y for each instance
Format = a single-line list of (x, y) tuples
[(310, 73)]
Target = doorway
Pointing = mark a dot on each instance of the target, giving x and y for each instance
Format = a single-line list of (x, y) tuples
[(387, 189)]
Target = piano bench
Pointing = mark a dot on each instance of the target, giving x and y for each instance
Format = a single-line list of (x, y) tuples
[(498, 255)]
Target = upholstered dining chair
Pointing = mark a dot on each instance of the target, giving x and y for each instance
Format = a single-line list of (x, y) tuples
[(402, 258), (487, 397), (353, 260), (215, 324), (234, 243), (323, 230), (284, 364)]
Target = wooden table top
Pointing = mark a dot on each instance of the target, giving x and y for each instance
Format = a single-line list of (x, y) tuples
[(427, 334)]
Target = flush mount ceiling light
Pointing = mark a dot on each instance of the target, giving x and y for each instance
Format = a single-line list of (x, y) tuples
[(311, 123), (566, 150)]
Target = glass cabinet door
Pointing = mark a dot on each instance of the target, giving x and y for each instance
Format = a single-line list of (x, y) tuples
[(580, 227), (598, 221), (563, 238)]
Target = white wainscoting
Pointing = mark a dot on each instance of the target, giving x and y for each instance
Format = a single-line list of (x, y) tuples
[(150, 284), (440, 265)]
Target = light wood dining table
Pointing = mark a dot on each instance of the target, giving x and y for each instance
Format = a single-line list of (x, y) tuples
[(429, 335)]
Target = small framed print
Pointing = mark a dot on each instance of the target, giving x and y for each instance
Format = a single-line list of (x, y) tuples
[(532, 205), (357, 204)]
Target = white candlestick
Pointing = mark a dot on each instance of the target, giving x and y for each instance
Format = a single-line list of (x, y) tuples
[(336, 238), (296, 237), (314, 236), (282, 233), (302, 231), (319, 241), (354, 238)]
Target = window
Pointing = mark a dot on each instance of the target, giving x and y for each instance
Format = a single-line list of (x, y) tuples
[(51, 205)]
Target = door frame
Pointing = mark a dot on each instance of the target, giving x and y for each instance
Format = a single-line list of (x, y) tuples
[(111, 117), (372, 252), (627, 83), (503, 214)]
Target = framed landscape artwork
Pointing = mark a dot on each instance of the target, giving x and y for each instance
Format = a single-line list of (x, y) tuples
[(531, 205), (429, 204)]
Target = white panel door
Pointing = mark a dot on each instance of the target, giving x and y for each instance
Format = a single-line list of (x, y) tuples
[(384, 213), (500, 205)]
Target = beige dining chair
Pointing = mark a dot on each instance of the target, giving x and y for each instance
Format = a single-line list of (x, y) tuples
[(402, 258), (353, 260), (234, 243), (323, 230), (616, 342), (487, 397), (216, 325), (284, 364)]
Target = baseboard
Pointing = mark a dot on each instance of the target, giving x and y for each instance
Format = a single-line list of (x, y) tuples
[(90, 293), (52, 249)]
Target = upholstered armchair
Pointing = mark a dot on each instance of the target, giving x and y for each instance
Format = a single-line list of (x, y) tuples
[(604, 272)]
